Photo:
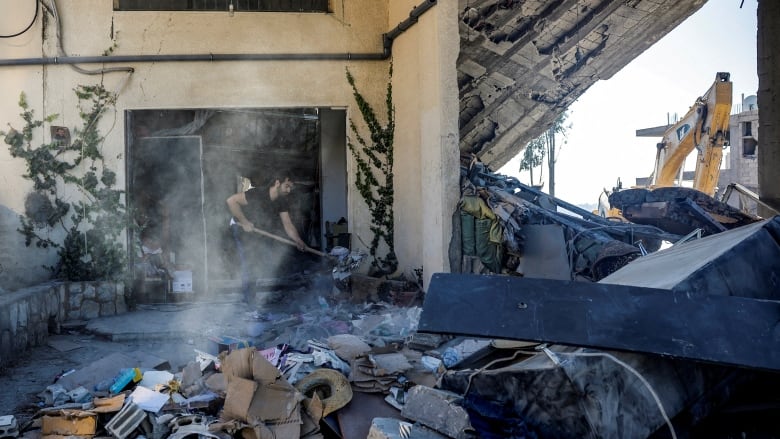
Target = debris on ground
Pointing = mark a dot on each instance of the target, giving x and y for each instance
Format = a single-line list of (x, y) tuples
[(517, 345)]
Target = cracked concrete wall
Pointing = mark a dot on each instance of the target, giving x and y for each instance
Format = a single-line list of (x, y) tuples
[(522, 63)]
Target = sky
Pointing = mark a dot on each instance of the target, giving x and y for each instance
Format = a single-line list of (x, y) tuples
[(601, 144)]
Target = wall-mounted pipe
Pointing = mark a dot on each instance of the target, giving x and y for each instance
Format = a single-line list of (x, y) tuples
[(387, 44)]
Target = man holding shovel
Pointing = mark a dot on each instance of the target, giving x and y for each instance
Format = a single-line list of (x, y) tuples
[(256, 211)]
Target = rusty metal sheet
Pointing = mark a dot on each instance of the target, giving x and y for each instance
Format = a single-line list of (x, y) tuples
[(719, 329)]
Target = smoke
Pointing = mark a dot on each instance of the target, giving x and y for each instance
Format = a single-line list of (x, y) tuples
[(184, 164)]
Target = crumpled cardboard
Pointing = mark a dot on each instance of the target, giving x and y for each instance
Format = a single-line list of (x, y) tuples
[(237, 364), (240, 392), (260, 397), (109, 405), (69, 423), (348, 346)]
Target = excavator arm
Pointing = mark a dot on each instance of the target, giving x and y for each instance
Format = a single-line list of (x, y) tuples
[(682, 210), (704, 128)]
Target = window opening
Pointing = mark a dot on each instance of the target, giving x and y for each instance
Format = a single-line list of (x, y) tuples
[(224, 5)]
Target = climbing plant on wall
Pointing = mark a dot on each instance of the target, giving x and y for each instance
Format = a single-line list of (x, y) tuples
[(374, 177), (90, 248)]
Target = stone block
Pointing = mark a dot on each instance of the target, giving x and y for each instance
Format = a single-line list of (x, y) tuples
[(390, 428), (439, 410), (75, 299), (90, 292), (90, 309), (106, 292), (74, 287)]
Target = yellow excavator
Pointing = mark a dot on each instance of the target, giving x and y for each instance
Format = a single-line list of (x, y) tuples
[(705, 127), (663, 201)]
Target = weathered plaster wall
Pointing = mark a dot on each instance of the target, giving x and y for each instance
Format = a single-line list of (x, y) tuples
[(89, 27), (19, 265)]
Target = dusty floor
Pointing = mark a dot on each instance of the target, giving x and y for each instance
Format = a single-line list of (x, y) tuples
[(37, 368), (171, 332)]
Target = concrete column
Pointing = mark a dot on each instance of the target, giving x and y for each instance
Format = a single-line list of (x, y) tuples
[(768, 40), (425, 95), (439, 152)]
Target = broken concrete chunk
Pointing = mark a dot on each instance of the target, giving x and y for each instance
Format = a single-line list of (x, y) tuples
[(439, 410), (216, 383), (9, 428), (124, 423)]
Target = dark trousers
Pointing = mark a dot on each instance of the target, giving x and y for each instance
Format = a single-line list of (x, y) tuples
[(237, 232), (262, 257)]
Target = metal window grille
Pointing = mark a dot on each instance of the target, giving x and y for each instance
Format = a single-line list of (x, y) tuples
[(222, 5)]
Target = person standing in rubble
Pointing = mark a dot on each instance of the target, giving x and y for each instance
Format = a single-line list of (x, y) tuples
[(261, 208)]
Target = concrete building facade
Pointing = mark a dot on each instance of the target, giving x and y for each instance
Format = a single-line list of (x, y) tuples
[(741, 163), (297, 67)]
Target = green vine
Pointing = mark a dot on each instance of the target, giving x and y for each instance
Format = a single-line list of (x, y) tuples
[(91, 248), (374, 177)]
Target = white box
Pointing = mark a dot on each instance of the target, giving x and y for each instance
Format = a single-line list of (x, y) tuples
[(182, 281)]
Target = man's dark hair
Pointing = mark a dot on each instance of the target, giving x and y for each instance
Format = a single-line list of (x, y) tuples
[(268, 179)]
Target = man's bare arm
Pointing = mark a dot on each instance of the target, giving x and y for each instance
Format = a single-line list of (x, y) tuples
[(234, 203), (291, 231)]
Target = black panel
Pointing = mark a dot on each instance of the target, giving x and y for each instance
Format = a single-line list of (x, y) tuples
[(721, 329)]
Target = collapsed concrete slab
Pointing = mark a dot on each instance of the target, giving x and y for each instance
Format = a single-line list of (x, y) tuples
[(578, 392), (727, 330), (741, 262)]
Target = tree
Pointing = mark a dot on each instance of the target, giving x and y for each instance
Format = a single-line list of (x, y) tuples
[(533, 156), (546, 146)]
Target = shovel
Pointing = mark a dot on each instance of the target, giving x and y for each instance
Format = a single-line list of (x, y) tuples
[(291, 242)]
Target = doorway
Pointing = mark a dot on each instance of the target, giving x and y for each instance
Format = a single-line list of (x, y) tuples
[(182, 165)]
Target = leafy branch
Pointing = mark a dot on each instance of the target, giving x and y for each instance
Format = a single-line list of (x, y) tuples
[(374, 177), (91, 248)]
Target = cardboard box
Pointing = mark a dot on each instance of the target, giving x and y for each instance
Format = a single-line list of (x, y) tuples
[(69, 423), (182, 281)]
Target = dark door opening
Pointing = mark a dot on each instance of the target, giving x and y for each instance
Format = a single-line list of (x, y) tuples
[(182, 165)]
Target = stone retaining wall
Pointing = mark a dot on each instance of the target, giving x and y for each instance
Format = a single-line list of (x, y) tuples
[(29, 315)]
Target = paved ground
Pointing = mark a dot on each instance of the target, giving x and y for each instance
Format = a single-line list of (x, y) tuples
[(169, 331)]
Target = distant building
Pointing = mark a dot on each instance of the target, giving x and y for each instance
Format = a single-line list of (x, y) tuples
[(740, 162), (740, 159)]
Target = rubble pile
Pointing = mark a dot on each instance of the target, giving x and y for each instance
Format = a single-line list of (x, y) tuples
[(334, 370), (500, 223)]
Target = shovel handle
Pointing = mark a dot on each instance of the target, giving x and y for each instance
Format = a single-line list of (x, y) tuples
[(289, 242)]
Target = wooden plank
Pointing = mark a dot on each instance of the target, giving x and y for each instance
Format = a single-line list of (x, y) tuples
[(726, 330)]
